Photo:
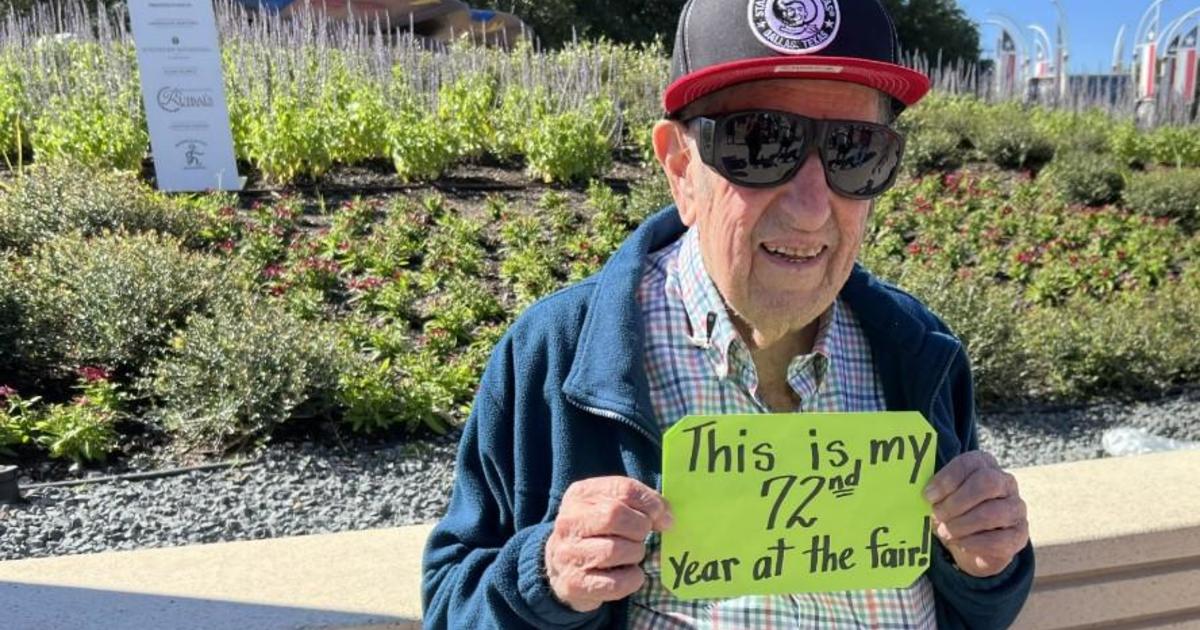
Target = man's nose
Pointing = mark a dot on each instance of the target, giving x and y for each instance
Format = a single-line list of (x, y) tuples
[(805, 200)]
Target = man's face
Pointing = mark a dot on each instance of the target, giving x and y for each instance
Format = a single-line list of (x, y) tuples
[(753, 241), (793, 11)]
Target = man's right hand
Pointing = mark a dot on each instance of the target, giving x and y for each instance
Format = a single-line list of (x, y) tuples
[(598, 543)]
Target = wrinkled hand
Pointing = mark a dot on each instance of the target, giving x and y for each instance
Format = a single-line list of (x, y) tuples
[(598, 543), (978, 513)]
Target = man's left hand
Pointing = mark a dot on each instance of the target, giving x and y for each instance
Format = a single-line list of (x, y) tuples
[(978, 513)]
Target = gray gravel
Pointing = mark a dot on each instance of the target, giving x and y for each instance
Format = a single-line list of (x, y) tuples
[(290, 490), (1049, 436), (310, 489)]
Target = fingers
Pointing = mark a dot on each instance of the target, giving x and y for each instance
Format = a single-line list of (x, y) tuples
[(989, 515), (598, 542), (605, 552), (593, 588), (606, 517), (630, 492), (982, 485), (955, 473), (990, 549), (978, 513)]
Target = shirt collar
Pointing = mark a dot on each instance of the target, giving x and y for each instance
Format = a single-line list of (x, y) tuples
[(713, 330)]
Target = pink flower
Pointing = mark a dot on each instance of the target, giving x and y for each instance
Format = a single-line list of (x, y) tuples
[(92, 373), (914, 249), (7, 392), (272, 271)]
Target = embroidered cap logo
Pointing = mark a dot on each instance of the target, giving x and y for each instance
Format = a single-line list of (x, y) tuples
[(795, 27)]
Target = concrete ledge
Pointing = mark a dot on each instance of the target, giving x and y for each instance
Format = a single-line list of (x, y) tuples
[(1118, 542), (1118, 545), (356, 579)]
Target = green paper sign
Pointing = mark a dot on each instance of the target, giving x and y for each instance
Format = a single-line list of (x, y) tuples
[(794, 503)]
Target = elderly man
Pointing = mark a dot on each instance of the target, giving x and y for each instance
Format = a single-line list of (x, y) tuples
[(744, 297)]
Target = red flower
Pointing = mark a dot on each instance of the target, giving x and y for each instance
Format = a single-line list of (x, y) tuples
[(91, 373), (226, 246), (914, 249), (7, 392), (1025, 257)]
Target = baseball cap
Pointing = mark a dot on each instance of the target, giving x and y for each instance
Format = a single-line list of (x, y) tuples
[(720, 43)]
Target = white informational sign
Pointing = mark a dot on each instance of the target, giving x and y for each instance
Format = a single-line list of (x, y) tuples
[(182, 86)]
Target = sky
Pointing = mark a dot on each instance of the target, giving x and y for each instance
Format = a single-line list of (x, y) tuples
[(1092, 25)]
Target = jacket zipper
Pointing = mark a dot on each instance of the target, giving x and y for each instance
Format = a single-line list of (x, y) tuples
[(612, 415)]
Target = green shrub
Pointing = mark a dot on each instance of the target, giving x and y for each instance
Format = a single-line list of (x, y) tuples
[(84, 429), (14, 123), (1171, 194), (518, 106), (984, 314), (233, 375), (420, 147), (1176, 146), (1086, 132), (959, 116), (112, 300), (94, 129), (288, 139), (17, 419), (465, 109), (49, 200), (647, 196), (1139, 343), (933, 149), (1009, 139), (358, 115), (571, 146), (1085, 178), (10, 319), (369, 394), (1129, 145)]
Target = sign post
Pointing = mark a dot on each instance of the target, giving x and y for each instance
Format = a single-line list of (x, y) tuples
[(179, 60)]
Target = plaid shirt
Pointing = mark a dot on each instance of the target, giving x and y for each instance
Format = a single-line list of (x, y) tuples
[(694, 372)]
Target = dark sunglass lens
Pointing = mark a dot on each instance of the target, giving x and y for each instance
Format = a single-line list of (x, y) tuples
[(759, 148), (861, 159)]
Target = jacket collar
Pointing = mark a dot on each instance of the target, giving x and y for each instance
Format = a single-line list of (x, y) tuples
[(608, 375)]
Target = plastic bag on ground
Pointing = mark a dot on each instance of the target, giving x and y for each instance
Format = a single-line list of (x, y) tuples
[(1123, 441)]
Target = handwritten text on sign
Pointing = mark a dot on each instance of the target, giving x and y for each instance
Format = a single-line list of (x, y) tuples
[(791, 503)]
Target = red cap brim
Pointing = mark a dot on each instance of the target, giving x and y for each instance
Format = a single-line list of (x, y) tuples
[(904, 84)]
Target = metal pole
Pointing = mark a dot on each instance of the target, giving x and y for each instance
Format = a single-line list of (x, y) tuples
[(1118, 50), (1062, 50)]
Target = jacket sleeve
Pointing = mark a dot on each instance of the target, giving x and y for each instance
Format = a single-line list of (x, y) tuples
[(480, 569), (965, 601)]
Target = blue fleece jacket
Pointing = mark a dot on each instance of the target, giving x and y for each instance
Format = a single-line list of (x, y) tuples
[(565, 397)]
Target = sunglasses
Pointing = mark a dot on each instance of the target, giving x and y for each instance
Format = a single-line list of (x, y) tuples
[(765, 148)]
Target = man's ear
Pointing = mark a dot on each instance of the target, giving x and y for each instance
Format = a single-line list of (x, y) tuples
[(674, 155)]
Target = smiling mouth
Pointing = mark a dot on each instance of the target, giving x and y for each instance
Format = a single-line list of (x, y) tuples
[(793, 255)]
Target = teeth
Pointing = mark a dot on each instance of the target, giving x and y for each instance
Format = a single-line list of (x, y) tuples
[(795, 253)]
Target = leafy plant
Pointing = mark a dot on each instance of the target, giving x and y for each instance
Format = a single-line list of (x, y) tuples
[(82, 430), (48, 201), (1086, 178), (571, 146), (231, 376), (1167, 194), (1010, 140), (112, 300)]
